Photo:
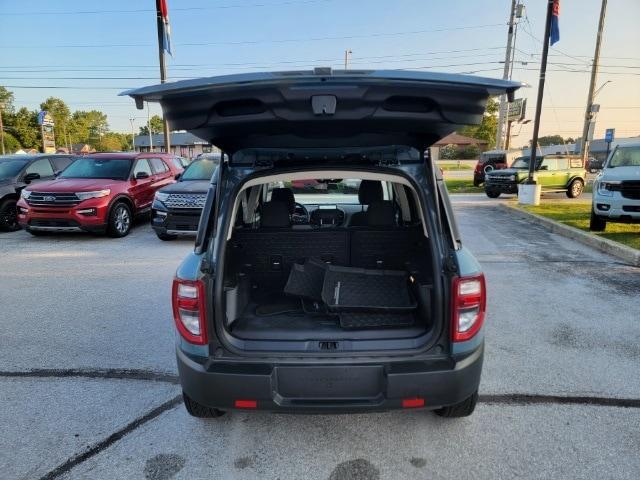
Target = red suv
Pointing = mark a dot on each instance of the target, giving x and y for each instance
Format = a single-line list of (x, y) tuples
[(98, 193)]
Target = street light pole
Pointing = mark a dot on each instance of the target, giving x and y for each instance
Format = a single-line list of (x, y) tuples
[(133, 134), (1, 130), (347, 53), (588, 115)]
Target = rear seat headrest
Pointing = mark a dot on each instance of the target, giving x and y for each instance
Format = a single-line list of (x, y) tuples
[(370, 191), (381, 214), (284, 195), (275, 214)]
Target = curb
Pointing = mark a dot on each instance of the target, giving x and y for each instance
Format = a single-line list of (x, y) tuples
[(628, 254)]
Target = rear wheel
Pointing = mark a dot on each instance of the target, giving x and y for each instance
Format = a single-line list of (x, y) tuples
[(9, 216), (462, 409), (597, 224), (119, 220), (575, 188), (196, 409), (492, 193)]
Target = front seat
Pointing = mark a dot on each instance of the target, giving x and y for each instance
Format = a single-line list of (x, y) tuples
[(370, 192), (284, 195)]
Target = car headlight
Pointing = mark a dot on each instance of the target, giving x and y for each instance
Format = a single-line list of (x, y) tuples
[(512, 178), (162, 197), (25, 193), (96, 194), (606, 188)]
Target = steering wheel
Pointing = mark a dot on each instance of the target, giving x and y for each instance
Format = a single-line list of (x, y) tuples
[(300, 214)]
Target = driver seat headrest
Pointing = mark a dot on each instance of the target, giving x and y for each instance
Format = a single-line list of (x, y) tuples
[(284, 195), (370, 191)]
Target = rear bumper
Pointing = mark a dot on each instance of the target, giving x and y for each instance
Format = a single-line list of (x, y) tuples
[(331, 387)]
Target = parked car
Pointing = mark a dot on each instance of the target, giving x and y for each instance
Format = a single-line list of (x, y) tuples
[(555, 173), (18, 171), (382, 313), (99, 193), (595, 164), (492, 160), (176, 208), (616, 191)]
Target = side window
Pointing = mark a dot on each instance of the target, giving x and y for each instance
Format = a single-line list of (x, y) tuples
[(142, 165), (158, 165), (550, 163), (563, 163), (60, 163), (41, 167)]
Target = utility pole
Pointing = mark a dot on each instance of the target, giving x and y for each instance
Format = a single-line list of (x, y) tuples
[(589, 114), (347, 53), (133, 134), (160, 6), (506, 74)]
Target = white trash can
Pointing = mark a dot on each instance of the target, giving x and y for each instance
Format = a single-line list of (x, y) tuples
[(529, 194)]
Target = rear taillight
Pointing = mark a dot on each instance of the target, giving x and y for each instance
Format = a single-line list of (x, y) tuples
[(188, 310), (468, 307)]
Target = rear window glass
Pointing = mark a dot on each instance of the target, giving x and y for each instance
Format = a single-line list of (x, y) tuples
[(115, 168), (158, 165)]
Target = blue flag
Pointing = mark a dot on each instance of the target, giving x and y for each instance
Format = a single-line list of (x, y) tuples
[(554, 36)]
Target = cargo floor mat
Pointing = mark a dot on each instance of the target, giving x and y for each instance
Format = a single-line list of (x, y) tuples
[(359, 289), (306, 280), (279, 307), (354, 320)]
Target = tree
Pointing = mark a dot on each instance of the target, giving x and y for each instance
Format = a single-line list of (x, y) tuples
[(11, 144), (488, 127), (23, 125), (550, 140), (61, 117), (157, 126), (6, 100), (88, 127), (114, 142)]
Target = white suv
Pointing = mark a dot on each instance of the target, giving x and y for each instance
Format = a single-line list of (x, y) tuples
[(616, 191)]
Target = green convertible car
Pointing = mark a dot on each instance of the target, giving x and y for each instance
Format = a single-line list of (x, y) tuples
[(556, 173)]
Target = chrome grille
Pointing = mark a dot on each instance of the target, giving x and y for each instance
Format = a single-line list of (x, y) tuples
[(186, 200), (498, 179), (53, 199)]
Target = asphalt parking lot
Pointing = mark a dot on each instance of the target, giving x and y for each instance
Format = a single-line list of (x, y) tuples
[(88, 386)]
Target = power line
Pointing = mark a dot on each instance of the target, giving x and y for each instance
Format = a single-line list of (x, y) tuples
[(263, 41), (177, 9)]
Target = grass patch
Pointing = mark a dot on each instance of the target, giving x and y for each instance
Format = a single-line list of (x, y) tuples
[(577, 215), (454, 166), (455, 185)]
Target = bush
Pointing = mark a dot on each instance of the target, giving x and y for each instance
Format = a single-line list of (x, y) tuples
[(11, 145), (452, 152)]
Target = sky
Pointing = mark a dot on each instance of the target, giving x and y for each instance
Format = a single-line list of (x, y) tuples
[(93, 50)]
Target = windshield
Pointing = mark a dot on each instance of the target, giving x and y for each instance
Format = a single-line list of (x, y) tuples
[(521, 162), (200, 169), (11, 168), (625, 157), (115, 168)]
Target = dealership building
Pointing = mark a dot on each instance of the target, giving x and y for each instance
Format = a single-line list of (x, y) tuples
[(182, 143)]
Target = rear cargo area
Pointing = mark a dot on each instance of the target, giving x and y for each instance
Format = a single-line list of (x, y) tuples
[(328, 284)]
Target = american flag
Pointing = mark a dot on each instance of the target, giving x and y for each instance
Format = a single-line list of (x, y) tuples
[(554, 36), (166, 33)]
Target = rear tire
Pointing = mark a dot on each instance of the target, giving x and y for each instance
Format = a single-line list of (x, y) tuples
[(597, 224), (165, 237), (120, 220), (9, 216), (492, 193), (462, 409), (198, 410), (575, 188)]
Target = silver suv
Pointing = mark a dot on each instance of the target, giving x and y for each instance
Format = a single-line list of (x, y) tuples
[(616, 191)]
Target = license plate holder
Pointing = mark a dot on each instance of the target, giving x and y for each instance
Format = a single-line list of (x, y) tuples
[(329, 382)]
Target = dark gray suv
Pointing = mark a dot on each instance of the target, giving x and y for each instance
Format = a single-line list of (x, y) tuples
[(357, 297), (18, 171)]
